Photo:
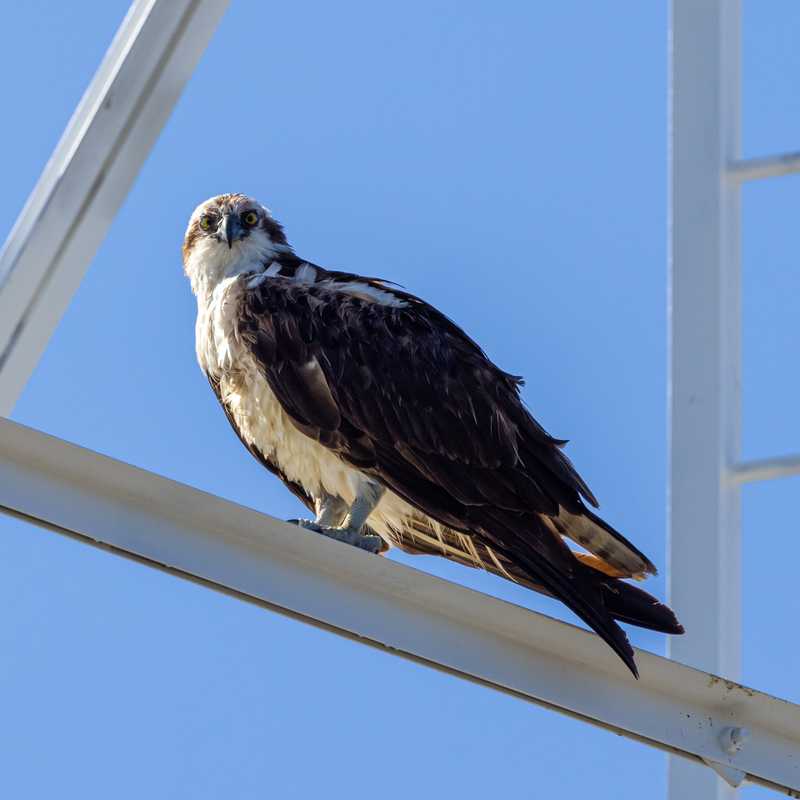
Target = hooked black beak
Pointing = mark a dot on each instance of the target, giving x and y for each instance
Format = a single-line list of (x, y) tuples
[(230, 229)]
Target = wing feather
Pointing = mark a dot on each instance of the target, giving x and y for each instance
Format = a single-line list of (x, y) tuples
[(402, 393)]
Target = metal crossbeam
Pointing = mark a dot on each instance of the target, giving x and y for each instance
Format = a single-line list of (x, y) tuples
[(754, 169), (766, 469), (197, 536), (90, 172)]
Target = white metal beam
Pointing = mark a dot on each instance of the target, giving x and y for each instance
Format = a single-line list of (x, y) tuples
[(200, 537), (765, 469), (753, 169), (704, 317), (90, 172)]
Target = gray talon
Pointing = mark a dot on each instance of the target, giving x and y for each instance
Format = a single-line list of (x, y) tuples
[(370, 542), (308, 524), (366, 541), (336, 521)]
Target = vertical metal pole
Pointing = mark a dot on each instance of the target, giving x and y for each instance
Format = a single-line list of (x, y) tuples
[(705, 360)]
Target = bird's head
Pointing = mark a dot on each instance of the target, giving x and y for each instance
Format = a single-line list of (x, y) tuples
[(229, 234)]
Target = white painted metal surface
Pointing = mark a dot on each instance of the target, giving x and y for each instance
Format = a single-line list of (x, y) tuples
[(753, 169), (705, 360), (704, 506), (766, 469), (408, 613), (90, 172)]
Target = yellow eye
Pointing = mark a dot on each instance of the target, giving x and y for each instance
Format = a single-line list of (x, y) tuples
[(205, 222), (250, 218)]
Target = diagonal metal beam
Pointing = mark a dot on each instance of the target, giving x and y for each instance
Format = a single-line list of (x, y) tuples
[(91, 171), (203, 538)]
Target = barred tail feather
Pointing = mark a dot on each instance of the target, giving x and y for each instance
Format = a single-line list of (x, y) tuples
[(599, 538)]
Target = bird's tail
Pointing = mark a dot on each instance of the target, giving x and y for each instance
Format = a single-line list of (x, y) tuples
[(596, 593), (628, 603), (624, 601), (598, 598)]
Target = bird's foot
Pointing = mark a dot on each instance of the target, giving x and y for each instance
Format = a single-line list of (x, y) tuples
[(366, 541)]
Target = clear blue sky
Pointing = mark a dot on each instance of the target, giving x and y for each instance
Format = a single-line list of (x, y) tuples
[(508, 163)]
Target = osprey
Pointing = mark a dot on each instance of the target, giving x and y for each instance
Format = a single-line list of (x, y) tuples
[(393, 427)]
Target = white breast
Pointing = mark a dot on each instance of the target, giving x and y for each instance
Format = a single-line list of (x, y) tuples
[(253, 406), (262, 421)]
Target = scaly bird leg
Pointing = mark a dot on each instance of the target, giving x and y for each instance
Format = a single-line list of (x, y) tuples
[(330, 510), (338, 522)]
